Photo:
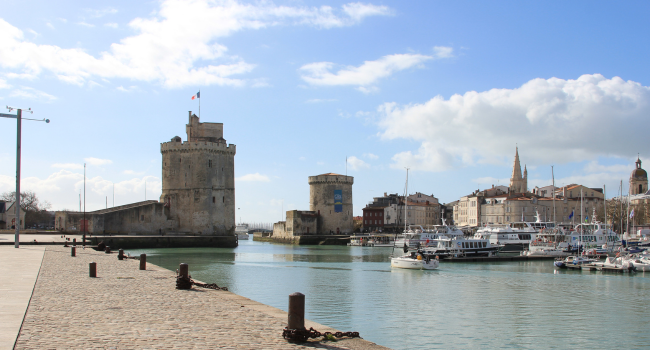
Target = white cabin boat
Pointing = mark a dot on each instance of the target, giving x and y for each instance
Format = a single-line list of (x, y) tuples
[(514, 237), (241, 230), (415, 261)]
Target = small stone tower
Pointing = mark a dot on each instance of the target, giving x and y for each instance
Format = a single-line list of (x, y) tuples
[(198, 180), (518, 184), (330, 195), (638, 179)]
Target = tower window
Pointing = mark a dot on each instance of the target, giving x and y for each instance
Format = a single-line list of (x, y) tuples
[(640, 189), (210, 163), (223, 199), (213, 200)]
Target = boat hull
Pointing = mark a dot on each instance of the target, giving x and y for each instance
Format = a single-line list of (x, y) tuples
[(414, 264)]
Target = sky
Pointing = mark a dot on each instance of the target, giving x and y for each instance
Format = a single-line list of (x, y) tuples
[(447, 89)]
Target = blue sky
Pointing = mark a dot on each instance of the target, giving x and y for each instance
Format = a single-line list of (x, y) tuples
[(445, 88)]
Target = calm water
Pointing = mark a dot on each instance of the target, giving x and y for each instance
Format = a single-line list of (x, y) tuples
[(461, 305)]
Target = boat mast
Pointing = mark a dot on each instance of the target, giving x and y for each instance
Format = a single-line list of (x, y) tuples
[(553, 176), (406, 193), (581, 221)]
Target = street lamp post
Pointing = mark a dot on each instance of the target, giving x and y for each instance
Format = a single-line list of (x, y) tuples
[(19, 119)]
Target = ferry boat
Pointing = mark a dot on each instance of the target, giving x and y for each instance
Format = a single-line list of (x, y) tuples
[(445, 247), (416, 235), (514, 237)]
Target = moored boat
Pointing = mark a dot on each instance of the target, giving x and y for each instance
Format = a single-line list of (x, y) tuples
[(415, 261)]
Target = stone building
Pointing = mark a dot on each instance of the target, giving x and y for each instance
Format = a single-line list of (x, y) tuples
[(386, 214), (8, 216), (330, 195), (198, 192), (198, 179), (638, 179)]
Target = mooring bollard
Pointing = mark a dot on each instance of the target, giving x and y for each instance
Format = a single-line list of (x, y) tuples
[(143, 261), (73, 251), (120, 254), (296, 311), (184, 270), (108, 250), (183, 280), (93, 269)]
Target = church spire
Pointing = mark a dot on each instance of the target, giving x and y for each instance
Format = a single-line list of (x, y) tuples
[(517, 182)]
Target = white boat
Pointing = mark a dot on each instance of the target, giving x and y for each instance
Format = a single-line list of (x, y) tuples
[(549, 242), (241, 230), (417, 236), (415, 261), (615, 263), (573, 260), (381, 240), (445, 247), (641, 264), (514, 237)]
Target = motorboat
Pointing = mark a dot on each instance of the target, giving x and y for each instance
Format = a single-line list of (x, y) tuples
[(573, 260), (549, 242), (359, 240), (615, 263), (415, 260)]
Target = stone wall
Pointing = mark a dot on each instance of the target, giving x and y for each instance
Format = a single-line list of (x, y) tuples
[(199, 180), (321, 201)]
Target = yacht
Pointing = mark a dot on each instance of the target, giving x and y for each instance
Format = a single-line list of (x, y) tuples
[(416, 235), (549, 242), (593, 235)]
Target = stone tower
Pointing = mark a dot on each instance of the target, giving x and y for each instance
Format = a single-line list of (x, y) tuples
[(198, 180), (518, 183), (330, 195), (638, 179)]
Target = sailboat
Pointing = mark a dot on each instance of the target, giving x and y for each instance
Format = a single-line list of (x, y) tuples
[(415, 260)]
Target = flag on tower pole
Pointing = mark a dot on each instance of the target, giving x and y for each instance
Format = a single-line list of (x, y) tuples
[(198, 95)]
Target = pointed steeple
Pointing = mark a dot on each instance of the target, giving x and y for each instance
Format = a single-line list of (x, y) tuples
[(517, 183)]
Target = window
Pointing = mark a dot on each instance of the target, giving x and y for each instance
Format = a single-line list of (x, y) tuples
[(141, 217), (209, 163), (213, 200), (223, 199)]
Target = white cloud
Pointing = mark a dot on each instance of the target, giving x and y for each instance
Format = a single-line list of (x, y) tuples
[(3, 84), (62, 189), (111, 25), (175, 46), (32, 94), (68, 166), (371, 156), (552, 120), (127, 89), (49, 25), (97, 161), (257, 177), (88, 25), (443, 51), (364, 76), (321, 100), (95, 13), (356, 164), (131, 172)]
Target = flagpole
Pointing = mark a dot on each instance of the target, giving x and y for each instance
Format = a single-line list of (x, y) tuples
[(199, 104)]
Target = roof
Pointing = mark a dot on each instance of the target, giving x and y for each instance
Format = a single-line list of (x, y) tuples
[(330, 174)]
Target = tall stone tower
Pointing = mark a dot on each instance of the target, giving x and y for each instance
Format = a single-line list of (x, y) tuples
[(638, 179), (331, 196), (518, 183), (198, 180)]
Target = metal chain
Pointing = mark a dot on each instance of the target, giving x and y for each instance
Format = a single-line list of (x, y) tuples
[(186, 282), (302, 335)]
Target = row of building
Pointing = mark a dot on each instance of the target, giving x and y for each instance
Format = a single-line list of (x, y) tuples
[(499, 204)]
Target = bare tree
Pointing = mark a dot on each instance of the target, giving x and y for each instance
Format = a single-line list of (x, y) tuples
[(35, 212)]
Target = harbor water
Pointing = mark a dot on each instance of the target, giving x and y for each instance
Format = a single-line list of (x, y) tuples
[(518, 305)]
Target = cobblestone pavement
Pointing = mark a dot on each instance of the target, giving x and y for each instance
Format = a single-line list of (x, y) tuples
[(126, 308)]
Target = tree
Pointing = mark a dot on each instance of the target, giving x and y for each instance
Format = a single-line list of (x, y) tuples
[(35, 212)]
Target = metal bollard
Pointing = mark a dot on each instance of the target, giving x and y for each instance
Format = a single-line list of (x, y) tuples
[(108, 250), (73, 251), (184, 270), (143, 261), (93, 269), (296, 311), (120, 254)]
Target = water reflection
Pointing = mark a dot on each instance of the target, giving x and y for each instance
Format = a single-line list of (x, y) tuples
[(461, 305)]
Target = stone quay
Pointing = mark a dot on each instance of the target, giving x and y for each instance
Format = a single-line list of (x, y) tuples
[(128, 308)]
